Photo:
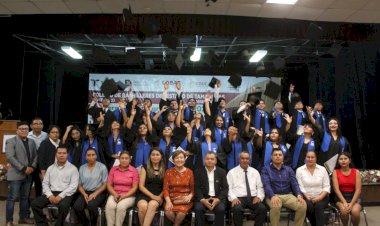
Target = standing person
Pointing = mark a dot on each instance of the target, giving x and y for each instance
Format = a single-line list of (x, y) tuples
[(151, 184), (48, 147), (302, 145), (73, 140), (211, 190), (246, 191), (92, 184), (59, 185), (318, 115), (314, 184), (178, 189), (36, 133), (233, 145), (21, 153), (38, 136), (282, 189), (122, 185), (347, 184), (289, 98)]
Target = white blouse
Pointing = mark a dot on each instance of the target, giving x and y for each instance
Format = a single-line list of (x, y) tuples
[(315, 184)]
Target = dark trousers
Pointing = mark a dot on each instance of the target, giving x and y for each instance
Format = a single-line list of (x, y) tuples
[(92, 206), (39, 203), (315, 212), (37, 182), (259, 212), (200, 210)]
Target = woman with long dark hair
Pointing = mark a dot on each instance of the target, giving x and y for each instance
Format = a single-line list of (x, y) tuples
[(347, 184), (150, 196), (73, 140)]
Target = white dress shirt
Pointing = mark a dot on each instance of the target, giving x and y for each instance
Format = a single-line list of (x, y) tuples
[(211, 187), (61, 178), (315, 184), (237, 187)]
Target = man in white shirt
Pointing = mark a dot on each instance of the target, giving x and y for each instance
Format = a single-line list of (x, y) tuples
[(59, 185), (37, 135), (246, 191), (211, 190)]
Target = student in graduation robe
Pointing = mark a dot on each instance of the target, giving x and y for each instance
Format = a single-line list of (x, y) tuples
[(303, 144), (73, 140), (318, 115), (333, 142), (140, 143), (261, 118), (201, 147), (280, 119), (216, 123), (115, 142), (93, 140), (265, 148), (167, 145), (299, 117), (232, 146)]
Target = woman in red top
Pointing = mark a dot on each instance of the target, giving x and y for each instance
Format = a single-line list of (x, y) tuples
[(347, 186), (178, 189)]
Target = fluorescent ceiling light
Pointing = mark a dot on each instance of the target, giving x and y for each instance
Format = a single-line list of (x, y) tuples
[(196, 55), (285, 2), (71, 52), (259, 54), (129, 48)]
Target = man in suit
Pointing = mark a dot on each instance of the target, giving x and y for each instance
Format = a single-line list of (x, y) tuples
[(246, 191), (211, 190), (21, 153)]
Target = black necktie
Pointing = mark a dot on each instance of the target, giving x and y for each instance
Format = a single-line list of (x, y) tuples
[(249, 196)]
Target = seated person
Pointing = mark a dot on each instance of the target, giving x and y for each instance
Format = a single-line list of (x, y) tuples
[(314, 183), (92, 184), (178, 189), (59, 185), (122, 185), (211, 190), (280, 184), (151, 184), (246, 191), (347, 187)]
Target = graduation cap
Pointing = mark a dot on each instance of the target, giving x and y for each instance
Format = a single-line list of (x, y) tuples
[(170, 41), (127, 14), (209, 58), (254, 98), (121, 85), (149, 28), (109, 87), (213, 82), (235, 80), (272, 90)]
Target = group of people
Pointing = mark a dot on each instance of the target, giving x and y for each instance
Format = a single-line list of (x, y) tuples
[(134, 157)]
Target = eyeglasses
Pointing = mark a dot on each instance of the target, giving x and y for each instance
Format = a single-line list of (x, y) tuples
[(23, 129)]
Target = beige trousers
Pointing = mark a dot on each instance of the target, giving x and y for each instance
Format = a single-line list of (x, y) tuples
[(288, 201), (115, 212)]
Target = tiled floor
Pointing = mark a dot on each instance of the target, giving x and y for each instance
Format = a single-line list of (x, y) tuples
[(372, 213)]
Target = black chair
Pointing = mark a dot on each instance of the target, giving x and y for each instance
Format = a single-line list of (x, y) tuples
[(133, 211), (52, 214)]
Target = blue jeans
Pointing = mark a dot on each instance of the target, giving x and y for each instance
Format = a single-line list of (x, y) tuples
[(18, 188)]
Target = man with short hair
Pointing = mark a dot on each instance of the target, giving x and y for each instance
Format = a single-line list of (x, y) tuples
[(59, 185), (210, 190), (38, 136), (21, 153), (246, 191), (36, 133), (280, 184)]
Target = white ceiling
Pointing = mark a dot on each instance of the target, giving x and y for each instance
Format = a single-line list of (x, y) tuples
[(357, 11)]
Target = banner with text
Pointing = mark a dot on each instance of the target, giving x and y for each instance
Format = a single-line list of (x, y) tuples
[(193, 86)]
